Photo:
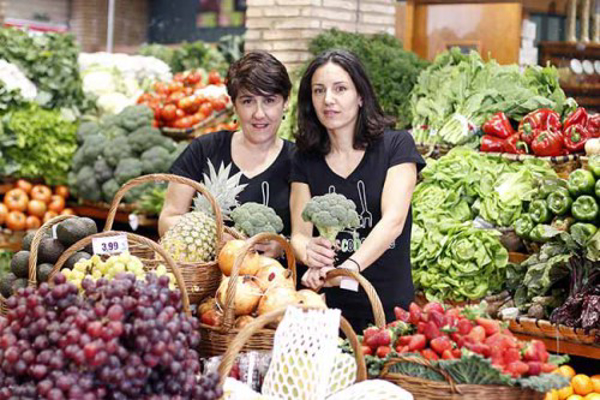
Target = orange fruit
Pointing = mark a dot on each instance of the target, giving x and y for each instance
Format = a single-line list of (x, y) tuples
[(592, 396), (565, 392), (582, 384), (596, 382), (553, 395), (575, 397), (566, 370)]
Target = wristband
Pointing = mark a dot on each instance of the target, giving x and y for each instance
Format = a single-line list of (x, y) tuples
[(357, 264)]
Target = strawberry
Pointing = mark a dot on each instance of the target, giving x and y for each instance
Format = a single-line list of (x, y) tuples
[(438, 318), (447, 355), (453, 313), (535, 368), (431, 331), (458, 339), (366, 350), (479, 348), (541, 349), (402, 349), (370, 336), (517, 369), (401, 314), (429, 354), (457, 353), (383, 351), (421, 327), (433, 306), (384, 337), (510, 356), (417, 342), (547, 368), (464, 326), (441, 344), (489, 325), (415, 313), (501, 340), (403, 340), (477, 334)]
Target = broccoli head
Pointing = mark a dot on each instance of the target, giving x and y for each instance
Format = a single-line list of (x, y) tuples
[(92, 148), (127, 169), (116, 150), (109, 189), (86, 129), (147, 137), (156, 160), (87, 185), (102, 170), (254, 218), (331, 214), (135, 117)]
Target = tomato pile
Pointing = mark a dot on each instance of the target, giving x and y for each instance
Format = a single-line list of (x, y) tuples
[(447, 333), (177, 104), (27, 206)]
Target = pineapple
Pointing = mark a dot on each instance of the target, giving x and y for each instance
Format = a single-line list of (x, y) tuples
[(192, 238)]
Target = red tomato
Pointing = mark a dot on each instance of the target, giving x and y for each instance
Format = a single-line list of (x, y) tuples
[(175, 97), (174, 87), (168, 112), (206, 109), (41, 192), (49, 215), (16, 200), (67, 211), (188, 105), (37, 208), (193, 78), (57, 203), (218, 105), (179, 77), (144, 98), (214, 78), (161, 87), (62, 190), (33, 222), (16, 221), (183, 123), (25, 185)]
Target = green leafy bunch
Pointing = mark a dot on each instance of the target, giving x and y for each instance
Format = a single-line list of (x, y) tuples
[(188, 56)]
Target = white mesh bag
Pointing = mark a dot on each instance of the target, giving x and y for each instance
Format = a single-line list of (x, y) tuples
[(343, 373), (304, 354), (375, 389)]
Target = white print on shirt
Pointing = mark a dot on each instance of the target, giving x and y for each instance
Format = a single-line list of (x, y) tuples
[(265, 192)]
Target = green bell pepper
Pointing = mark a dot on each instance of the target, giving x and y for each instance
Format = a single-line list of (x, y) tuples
[(582, 232), (547, 186), (581, 182), (598, 189), (559, 202), (538, 210), (594, 165), (541, 233), (523, 226), (585, 208)]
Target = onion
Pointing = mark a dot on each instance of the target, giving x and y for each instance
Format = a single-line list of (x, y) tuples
[(206, 305), (271, 274), (242, 321), (247, 295), (211, 317), (276, 298), (230, 252), (309, 298)]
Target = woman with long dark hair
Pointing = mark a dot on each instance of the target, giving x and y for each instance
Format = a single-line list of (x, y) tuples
[(345, 145)]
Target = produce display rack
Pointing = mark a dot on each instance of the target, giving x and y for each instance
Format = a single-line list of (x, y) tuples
[(100, 211), (197, 130)]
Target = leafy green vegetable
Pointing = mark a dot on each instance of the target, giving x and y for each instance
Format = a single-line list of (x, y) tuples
[(474, 369), (544, 383)]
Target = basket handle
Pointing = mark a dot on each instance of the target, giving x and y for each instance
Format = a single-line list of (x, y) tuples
[(110, 218), (417, 360), (376, 305), (228, 314), (35, 244), (242, 337), (139, 240)]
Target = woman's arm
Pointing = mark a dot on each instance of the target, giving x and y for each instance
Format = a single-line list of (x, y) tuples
[(177, 202), (395, 202)]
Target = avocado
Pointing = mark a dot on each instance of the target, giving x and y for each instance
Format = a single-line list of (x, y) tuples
[(6, 284), (80, 255), (19, 265), (43, 272), (89, 249), (18, 284), (28, 239), (90, 225), (73, 230), (50, 250)]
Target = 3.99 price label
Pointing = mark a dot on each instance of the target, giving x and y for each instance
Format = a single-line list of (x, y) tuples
[(110, 244)]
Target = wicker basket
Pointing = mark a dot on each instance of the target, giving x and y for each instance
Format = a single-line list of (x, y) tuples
[(33, 255), (149, 264), (425, 389), (563, 165), (201, 279), (545, 329), (197, 130), (240, 342)]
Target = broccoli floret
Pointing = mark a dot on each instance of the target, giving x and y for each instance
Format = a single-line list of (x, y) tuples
[(254, 218), (156, 160), (114, 132), (72, 182), (87, 129), (92, 148), (127, 169), (109, 120), (116, 150), (331, 214), (109, 189), (78, 160), (87, 185), (102, 170), (134, 117), (147, 137)]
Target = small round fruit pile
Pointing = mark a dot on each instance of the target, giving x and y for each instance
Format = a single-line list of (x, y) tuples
[(27, 206), (125, 339), (188, 100), (582, 387), (263, 285), (95, 269)]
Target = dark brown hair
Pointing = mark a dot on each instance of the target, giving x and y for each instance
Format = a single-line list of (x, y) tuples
[(312, 136), (259, 73)]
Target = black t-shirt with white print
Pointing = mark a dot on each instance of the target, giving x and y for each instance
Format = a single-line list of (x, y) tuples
[(271, 187), (391, 273)]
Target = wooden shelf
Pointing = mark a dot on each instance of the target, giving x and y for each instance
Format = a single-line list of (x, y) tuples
[(562, 347)]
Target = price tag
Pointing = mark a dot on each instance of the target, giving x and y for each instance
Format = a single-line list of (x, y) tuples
[(110, 244), (349, 284), (54, 236), (134, 221)]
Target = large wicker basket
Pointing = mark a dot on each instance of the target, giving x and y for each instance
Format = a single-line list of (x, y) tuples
[(425, 389), (241, 340), (33, 255), (149, 264), (202, 278), (545, 329)]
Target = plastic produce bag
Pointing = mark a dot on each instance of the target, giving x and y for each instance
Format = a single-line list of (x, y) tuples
[(373, 390)]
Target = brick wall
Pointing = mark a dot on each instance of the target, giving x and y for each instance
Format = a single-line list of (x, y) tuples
[(284, 27), (56, 10)]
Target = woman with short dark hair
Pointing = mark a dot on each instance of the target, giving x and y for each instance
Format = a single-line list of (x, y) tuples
[(346, 145), (259, 87)]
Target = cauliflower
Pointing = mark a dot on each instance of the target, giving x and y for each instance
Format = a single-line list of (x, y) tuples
[(127, 169), (331, 214), (254, 218), (156, 160)]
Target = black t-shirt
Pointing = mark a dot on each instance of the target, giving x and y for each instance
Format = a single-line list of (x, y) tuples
[(271, 187), (391, 273)]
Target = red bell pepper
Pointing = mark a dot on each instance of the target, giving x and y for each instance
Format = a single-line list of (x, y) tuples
[(491, 144), (577, 117), (574, 138), (498, 125), (514, 145), (593, 125), (548, 143), (537, 121)]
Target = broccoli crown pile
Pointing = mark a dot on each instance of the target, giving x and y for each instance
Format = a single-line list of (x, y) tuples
[(254, 218), (116, 149), (331, 214)]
